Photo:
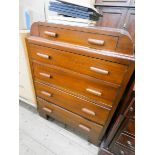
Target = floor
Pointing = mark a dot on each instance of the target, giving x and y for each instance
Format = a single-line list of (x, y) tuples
[(39, 136)]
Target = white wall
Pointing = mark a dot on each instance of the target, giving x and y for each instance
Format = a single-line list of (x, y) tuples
[(36, 9), (26, 89)]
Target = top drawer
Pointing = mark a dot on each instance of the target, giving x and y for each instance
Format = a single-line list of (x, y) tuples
[(91, 40), (101, 69)]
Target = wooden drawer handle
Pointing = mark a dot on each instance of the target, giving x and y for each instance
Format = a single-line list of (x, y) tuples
[(47, 110), (129, 143), (45, 75), (51, 34), (92, 91), (88, 111), (46, 93), (43, 55), (131, 109), (84, 127), (96, 42), (122, 152), (97, 70)]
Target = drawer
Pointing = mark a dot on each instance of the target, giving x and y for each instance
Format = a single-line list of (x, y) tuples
[(130, 127), (120, 150), (81, 107), (92, 40), (88, 128), (87, 86), (101, 69), (126, 140)]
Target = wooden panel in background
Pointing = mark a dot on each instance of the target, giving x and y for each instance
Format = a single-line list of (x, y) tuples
[(112, 17), (114, 2), (129, 23)]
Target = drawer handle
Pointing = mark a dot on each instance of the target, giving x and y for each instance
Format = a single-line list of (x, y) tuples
[(46, 93), (88, 111), (47, 109), (131, 109), (84, 127), (43, 55), (51, 34), (45, 75), (97, 70), (122, 152), (129, 143), (92, 91), (96, 42)]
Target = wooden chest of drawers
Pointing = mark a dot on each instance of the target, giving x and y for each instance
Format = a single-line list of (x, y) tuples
[(124, 141), (120, 138), (80, 74)]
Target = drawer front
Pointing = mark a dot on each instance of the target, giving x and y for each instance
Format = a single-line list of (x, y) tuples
[(126, 141), (101, 69), (72, 103), (130, 127), (120, 150), (89, 129), (87, 86), (91, 40)]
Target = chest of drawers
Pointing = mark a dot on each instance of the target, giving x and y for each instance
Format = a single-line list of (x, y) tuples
[(80, 74), (120, 138), (124, 141)]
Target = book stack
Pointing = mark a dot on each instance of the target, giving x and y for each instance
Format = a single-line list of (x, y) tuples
[(73, 11)]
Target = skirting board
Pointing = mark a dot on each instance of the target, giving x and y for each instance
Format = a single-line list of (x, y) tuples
[(27, 101)]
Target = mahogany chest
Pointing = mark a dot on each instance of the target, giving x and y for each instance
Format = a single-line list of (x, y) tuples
[(80, 74), (120, 138)]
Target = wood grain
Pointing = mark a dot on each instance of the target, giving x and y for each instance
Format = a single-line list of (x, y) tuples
[(126, 140), (112, 16), (68, 70), (130, 127), (75, 82), (120, 150), (79, 63), (110, 35), (73, 104), (71, 120)]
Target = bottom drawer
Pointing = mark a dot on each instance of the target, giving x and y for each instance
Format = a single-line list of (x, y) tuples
[(90, 129), (120, 150)]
